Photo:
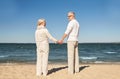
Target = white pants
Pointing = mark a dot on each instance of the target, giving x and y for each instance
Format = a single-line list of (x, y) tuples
[(42, 58), (73, 57)]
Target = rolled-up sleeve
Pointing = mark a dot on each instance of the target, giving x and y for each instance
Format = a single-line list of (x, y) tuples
[(69, 28)]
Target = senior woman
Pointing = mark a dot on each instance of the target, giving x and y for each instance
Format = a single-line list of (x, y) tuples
[(41, 37)]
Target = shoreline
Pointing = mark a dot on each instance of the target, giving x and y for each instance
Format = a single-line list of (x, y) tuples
[(59, 63), (29, 63)]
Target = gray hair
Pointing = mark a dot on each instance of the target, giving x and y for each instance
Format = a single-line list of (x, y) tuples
[(71, 12), (40, 21)]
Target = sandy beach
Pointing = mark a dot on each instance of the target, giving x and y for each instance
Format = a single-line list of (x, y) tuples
[(59, 71)]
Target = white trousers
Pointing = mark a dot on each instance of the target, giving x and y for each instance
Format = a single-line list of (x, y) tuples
[(42, 58), (73, 57)]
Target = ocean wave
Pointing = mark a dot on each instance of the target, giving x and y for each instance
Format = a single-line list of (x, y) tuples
[(20, 55), (16, 55), (57, 57), (99, 62), (88, 58), (3, 56), (110, 52)]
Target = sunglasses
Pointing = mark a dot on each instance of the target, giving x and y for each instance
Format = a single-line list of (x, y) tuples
[(69, 15)]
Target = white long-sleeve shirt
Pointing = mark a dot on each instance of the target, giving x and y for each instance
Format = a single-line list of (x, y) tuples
[(72, 30), (42, 35)]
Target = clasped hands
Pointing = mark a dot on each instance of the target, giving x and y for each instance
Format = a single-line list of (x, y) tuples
[(60, 41)]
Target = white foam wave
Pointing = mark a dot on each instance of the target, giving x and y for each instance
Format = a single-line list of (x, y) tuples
[(88, 58), (99, 62), (110, 52), (3, 56)]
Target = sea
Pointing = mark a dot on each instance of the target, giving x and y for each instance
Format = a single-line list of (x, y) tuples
[(88, 53)]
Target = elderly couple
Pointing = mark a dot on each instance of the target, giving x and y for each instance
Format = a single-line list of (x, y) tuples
[(42, 35)]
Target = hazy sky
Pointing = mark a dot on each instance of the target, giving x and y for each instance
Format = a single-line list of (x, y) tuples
[(99, 19)]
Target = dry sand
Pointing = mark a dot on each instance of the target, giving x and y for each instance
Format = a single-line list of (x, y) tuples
[(58, 71)]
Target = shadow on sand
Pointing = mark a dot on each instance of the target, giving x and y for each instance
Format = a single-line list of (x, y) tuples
[(53, 70), (82, 67)]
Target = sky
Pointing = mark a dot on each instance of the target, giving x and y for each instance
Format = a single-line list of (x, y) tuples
[(99, 19)]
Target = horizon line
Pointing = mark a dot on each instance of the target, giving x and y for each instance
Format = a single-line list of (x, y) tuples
[(51, 43)]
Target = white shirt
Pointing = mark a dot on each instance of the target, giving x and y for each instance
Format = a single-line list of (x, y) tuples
[(72, 30), (42, 35)]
